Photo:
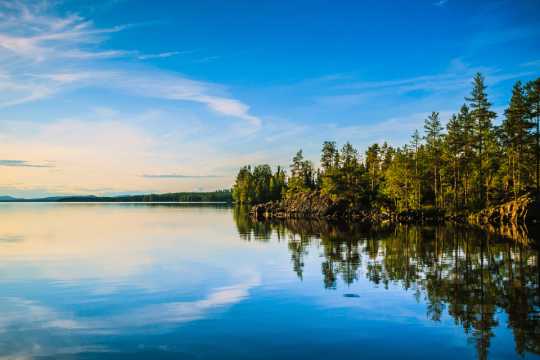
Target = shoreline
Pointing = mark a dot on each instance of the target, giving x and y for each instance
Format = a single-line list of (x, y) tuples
[(524, 210)]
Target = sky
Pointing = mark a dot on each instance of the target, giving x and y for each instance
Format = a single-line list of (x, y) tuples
[(134, 97)]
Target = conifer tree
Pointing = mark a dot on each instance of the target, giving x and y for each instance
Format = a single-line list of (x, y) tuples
[(517, 126), (328, 156), (482, 126), (301, 175), (415, 145), (533, 106), (466, 122), (433, 130), (372, 163), (349, 155), (454, 143)]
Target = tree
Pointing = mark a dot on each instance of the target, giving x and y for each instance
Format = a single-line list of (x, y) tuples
[(482, 117), (301, 175), (433, 130), (454, 143), (533, 106), (328, 157), (372, 163), (243, 192), (397, 182), (517, 126), (466, 121), (349, 155), (415, 144), (344, 181)]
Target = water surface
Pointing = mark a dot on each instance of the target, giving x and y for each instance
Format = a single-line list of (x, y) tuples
[(202, 281)]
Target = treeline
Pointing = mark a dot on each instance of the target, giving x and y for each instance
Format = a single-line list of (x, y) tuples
[(259, 185), (135, 198), (218, 196), (470, 165)]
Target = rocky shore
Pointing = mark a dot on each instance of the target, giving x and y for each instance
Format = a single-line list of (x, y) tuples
[(316, 205), (524, 210)]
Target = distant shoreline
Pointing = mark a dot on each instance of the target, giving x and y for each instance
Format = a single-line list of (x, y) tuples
[(116, 202), (179, 197)]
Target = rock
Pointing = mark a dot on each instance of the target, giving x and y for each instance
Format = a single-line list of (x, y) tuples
[(316, 205), (525, 209), (312, 204)]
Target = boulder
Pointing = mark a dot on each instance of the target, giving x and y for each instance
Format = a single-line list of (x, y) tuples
[(524, 210), (312, 204), (316, 205)]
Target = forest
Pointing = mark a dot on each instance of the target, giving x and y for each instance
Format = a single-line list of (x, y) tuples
[(219, 195), (469, 164)]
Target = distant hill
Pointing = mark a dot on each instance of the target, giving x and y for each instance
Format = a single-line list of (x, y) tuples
[(218, 196), (8, 198), (47, 199)]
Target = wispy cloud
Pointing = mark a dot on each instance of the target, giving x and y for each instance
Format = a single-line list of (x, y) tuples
[(440, 3), (169, 54), (22, 163), (351, 90), (37, 45), (532, 63), (180, 176)]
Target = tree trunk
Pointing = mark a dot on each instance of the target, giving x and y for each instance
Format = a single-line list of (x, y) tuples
[(514, 176), (481, 172), (435, 185), (537, 144), (455, 183)]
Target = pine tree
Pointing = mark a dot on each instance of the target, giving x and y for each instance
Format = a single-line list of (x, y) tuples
[(517, 126), (533, 106), (372, 163), (453, 145), (466, 121), (349, 155), (301, 175), (415, 143), (482, 117), (329, 152), (433, 130)]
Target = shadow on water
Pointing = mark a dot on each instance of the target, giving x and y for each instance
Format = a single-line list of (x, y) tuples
[(470, 272)]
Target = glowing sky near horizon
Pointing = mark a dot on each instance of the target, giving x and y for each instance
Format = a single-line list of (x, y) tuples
[(133, 97)]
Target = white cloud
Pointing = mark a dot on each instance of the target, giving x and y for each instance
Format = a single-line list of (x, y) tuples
[(440, 3), (532, 63), (169, 54), (36, 46)]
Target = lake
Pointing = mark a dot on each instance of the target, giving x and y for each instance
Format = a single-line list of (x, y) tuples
[(203, 281)]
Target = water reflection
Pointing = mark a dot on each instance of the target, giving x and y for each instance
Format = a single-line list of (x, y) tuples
[(169, 281), (474, 275)]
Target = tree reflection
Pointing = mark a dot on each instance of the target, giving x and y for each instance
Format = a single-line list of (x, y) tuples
[(462, 270)]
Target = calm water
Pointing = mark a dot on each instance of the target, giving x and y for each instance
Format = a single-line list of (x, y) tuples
[(194, 281)]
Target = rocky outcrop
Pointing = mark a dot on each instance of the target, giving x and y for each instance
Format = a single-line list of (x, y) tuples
[(316, 205), (524, 210), (312, 204)]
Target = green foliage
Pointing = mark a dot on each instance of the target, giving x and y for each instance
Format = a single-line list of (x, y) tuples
[(220, 195), (345, 179), (302, 175), (467, 164), (259, 185)]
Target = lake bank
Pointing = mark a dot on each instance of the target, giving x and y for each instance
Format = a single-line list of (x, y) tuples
[(524, 210)]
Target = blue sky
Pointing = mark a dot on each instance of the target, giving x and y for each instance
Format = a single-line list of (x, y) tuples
[(119, 97)]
